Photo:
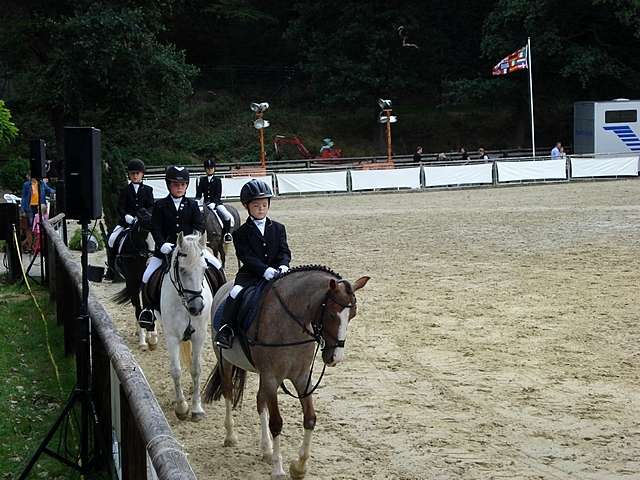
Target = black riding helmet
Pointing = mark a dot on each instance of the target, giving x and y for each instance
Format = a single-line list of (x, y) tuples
[(176, 174), (210, 163), (254, 190), (135, 165)]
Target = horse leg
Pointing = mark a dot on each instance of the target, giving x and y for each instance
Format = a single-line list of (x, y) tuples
[(226, 369), (298, 468), (197, 341), (135, 301), (181, 407), (268, 397)]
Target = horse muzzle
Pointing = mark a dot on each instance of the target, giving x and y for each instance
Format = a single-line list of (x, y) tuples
[(333, 356), (195, 306)]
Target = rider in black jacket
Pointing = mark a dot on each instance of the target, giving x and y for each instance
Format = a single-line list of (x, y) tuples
[(209, 189)]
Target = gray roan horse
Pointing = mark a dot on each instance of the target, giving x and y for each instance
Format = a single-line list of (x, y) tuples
[(214, 230), (303, 310)]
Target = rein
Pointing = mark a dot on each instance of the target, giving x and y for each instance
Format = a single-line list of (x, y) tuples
[(317, 325), (182, 293)]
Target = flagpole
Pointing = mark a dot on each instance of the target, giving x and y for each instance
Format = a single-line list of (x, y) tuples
[(533, 134)]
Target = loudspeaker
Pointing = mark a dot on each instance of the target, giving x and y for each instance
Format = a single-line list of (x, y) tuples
[(38, 160), (82, 173), (9, 214)]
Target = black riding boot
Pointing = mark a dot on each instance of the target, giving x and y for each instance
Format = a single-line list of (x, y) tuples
[(224, 338), (111, 265), (147, 318), (226, 228)]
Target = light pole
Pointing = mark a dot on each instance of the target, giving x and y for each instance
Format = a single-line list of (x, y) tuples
[(386, 117), (260, 124)]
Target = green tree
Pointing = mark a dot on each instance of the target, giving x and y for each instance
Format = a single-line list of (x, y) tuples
[(8, 130)]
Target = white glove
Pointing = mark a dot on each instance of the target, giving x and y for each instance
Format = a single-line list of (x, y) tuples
[(166, 248), (212, 207), (283, 269), (129, 219), (269, 273)]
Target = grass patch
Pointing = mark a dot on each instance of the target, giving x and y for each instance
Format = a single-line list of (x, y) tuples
[(29, 390)]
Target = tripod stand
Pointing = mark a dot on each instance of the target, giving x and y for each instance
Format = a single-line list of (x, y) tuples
[(90, 454)]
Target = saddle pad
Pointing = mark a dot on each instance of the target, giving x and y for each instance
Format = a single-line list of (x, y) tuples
[(249, 306)]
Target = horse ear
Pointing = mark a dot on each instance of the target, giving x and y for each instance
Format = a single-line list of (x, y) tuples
[(333, 284), (203, 239), (179, 240), (361, 282)]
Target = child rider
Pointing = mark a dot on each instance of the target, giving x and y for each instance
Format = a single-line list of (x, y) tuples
[(261, 246)]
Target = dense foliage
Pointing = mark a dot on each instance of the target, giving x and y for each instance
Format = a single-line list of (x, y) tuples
[(170, 80)]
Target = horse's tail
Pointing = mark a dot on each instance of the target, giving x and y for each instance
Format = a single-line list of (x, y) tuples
[(213, 388), (185, 353), (122, 297)]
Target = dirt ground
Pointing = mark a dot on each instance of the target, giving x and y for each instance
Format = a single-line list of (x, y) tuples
[(498, 338)]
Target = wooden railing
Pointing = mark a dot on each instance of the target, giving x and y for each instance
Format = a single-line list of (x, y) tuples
[(128, 413)]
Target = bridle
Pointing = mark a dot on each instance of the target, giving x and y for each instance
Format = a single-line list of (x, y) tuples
[(186, 296), (316, 334)]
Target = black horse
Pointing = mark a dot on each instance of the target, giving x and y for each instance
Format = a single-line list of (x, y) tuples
[(132, 253)]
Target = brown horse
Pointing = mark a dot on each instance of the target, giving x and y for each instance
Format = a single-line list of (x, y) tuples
[(214, 230), (306, 309)]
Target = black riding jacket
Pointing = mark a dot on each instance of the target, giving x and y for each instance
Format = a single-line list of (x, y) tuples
[(211, 191), (167, 222), (130, 202)]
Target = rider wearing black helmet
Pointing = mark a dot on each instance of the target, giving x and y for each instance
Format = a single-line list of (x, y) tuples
[(133, 197), (261, 246), (209, 189), (172, 214)]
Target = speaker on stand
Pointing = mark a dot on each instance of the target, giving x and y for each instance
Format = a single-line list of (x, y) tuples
[(83, 201)]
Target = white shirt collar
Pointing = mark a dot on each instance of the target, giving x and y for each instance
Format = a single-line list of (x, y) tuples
[(260, 224), (209, 177), (176, 201), (136, 186)]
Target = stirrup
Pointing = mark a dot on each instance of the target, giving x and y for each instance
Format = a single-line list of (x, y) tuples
[(147, 319), (227, 238), (224, 337)]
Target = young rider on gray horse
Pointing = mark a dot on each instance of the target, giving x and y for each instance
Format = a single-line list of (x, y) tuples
[(261, 246), (209, 188), (172, 214)]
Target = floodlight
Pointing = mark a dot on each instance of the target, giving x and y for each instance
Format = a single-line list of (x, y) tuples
[(259, 107), (261, 123), (384, 104), (391, 119)]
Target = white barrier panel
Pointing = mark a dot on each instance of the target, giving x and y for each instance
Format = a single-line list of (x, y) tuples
[(458, 175), (604, 167), (542, 170), (396, 178), (230, 186), (312, 182)]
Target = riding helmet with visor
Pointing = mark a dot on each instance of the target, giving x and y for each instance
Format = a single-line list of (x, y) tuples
[(254, 190), (176, 174), (210, 163), (135, 165)]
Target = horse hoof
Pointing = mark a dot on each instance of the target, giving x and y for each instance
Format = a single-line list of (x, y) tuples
[(295, 472), (231, 442), (197, 416), (152, 346), (182, 416), (143, 346)]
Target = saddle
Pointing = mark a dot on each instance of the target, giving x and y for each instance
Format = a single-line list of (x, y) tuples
[(250, 299), (151, 291)]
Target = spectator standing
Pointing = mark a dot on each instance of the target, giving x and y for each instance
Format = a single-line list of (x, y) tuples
[(483, 155), (417, 157), (463, 154), (32, 196), (556, 151)]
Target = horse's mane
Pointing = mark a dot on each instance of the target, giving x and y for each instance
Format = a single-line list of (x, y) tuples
[(190, 244), (309, 268)]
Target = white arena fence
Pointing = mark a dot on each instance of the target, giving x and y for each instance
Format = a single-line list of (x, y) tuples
[(407, 176), (132, 426)]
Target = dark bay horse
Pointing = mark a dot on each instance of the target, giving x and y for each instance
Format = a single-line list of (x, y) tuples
[(132, 253), (214, 230), (303, 310)]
